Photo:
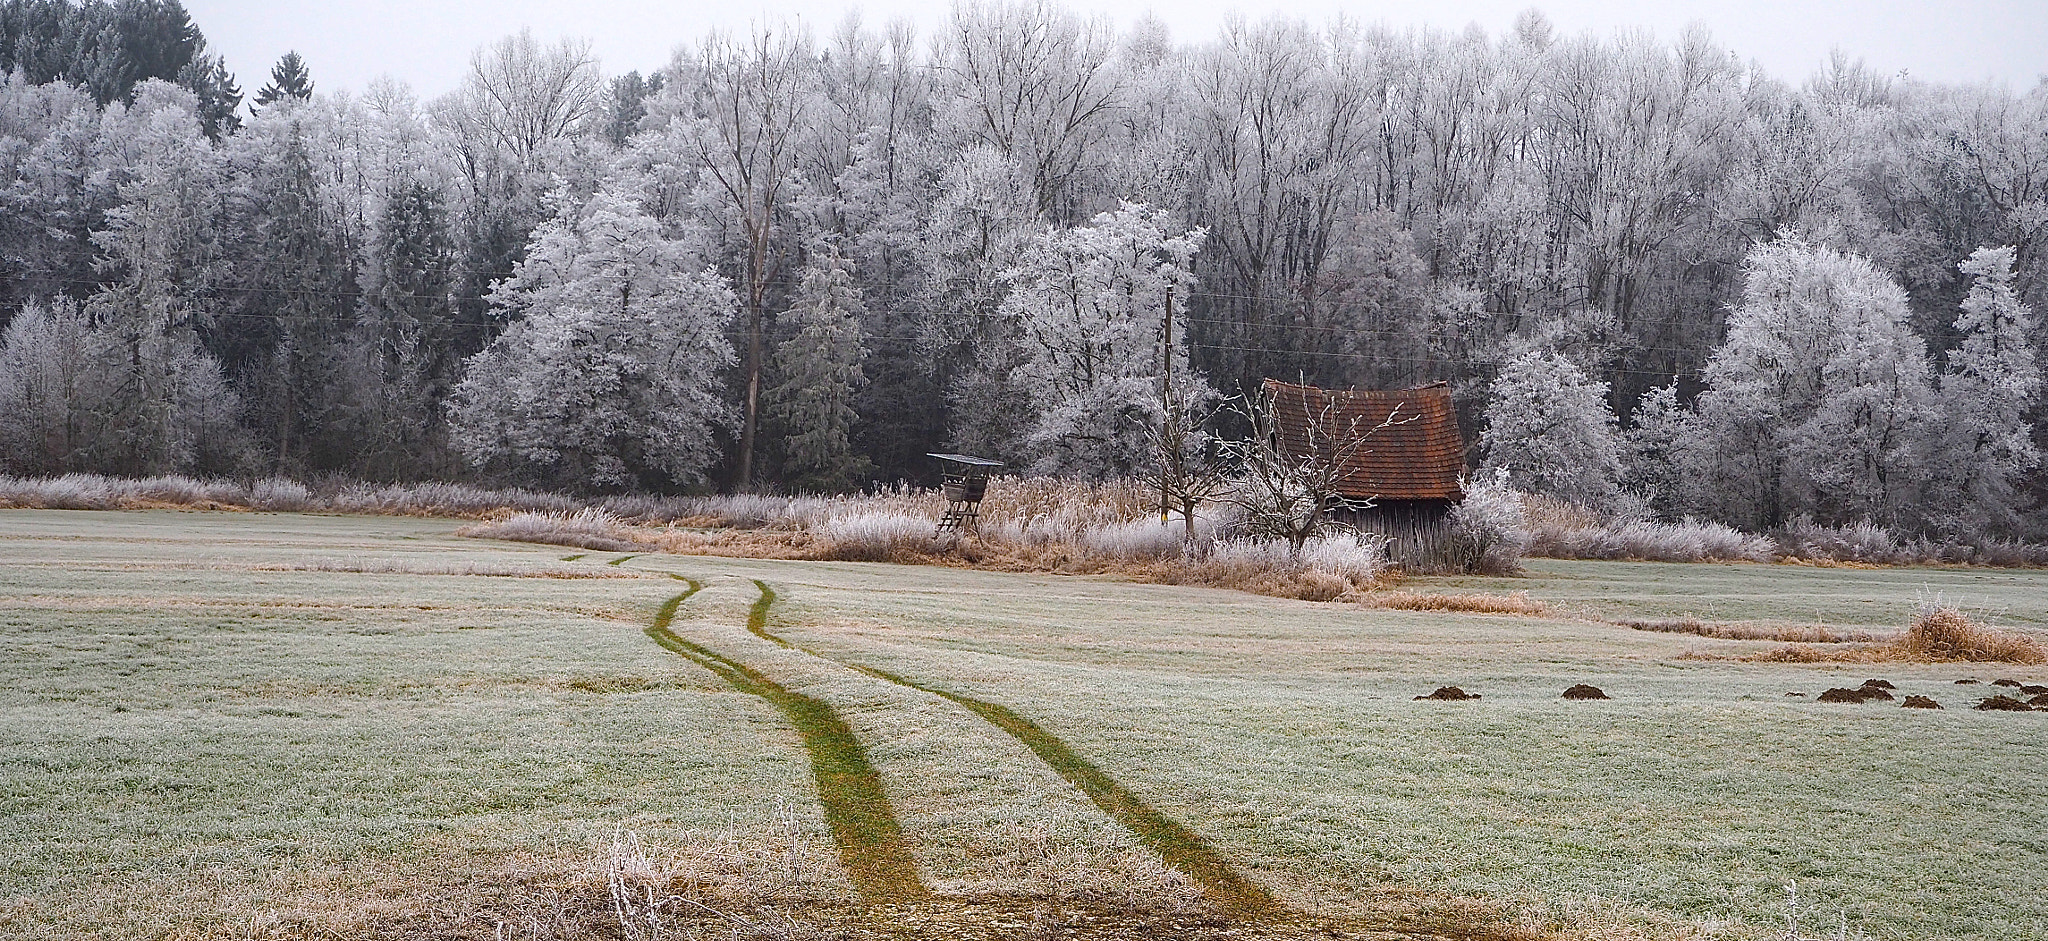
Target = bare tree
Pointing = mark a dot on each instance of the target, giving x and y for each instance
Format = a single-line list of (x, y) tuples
[(1291, 467), (522, 96), (743, 106), (1034, 82), (1186, 467)]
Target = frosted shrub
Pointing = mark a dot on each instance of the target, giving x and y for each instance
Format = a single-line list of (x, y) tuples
[(189, 491), (588, 528), (1688, 541), (1863, 541), (741, 510), (1489, 534), (69, 492), (874, 537), (1327, 567), (445, 498), (1359, 560), (1138, 539), (280, 494)]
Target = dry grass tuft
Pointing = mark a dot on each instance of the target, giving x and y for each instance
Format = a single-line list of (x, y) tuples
[(1941, 633), (1517, 603)]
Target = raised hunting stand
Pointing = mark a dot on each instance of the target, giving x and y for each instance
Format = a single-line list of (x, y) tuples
[(966, 482)]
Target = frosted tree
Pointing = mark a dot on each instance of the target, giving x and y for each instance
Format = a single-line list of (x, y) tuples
[(1103, 347), (1992, 379), (1659, 453), (1818, 399), (158, 403), (47, 369), (1548, 427), (520, 95), (737, 107), (1032, 81), (819, 368), (610, 375), (976, 232)]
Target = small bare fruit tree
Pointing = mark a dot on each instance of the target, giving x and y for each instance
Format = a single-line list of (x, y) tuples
[(1184, 465), (1291, 468)]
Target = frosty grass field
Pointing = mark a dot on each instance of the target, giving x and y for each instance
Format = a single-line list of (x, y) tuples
[(233, 725)]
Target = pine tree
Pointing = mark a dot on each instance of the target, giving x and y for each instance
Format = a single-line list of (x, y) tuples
[(1549, 428), (404, 342), (820, 370), (288, 79), (306, 293), (219, 97), (1991, 380), (1658, 453)]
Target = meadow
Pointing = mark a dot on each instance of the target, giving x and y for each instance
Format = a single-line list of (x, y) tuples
[(219, 725)]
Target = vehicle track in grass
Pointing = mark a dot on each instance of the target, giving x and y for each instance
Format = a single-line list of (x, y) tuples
[(864, 826), (1181, 848)]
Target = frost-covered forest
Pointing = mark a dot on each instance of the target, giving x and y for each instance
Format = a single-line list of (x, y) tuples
[(1659, 280)]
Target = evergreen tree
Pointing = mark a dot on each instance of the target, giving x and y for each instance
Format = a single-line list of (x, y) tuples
[(1548, 427), (1991, 381), (219, 96), (1658, 453), (405, 346), (288, 79), (820, 370), (627, 105), (157, 401)]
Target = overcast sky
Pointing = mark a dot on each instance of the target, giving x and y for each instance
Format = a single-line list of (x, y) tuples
[(426, 43)]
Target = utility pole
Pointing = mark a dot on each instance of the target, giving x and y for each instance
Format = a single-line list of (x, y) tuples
[(1169, 444)]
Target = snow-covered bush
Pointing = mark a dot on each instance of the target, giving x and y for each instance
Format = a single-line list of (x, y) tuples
[(1488, 532), (874, 537)]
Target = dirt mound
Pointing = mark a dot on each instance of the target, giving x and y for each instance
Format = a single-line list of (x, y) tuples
[(1876, 692), (1843, 694), (1967, 682), (1878, 684), (2012, 683), (2033, 690), (2003, 704), (1451, 693), (1921, 702), (2039, 702), (1584, 691)]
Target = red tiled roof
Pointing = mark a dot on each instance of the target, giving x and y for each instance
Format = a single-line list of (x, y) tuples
[(1420, 457)]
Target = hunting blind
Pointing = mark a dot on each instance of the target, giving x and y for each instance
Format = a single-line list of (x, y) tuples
[(965, 483)]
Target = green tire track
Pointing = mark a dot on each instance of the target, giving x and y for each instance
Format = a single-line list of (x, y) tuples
[(1180, 847), (864, 827)]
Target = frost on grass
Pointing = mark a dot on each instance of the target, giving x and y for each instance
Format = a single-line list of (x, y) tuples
[(411, 567)]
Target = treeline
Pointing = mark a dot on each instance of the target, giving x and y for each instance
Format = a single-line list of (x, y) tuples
[(801, 262)]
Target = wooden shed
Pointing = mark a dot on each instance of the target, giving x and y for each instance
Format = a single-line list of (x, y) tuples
[(1411, 471)]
